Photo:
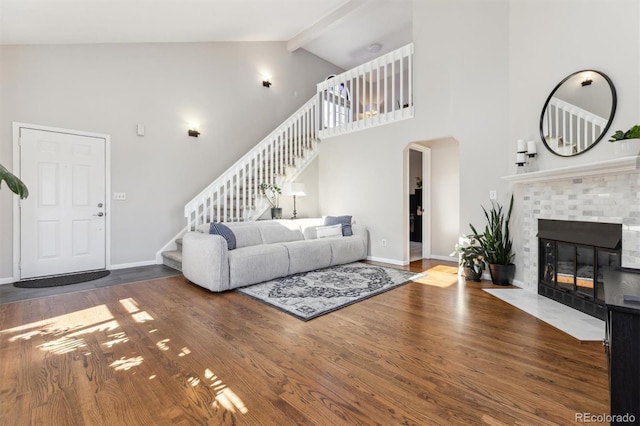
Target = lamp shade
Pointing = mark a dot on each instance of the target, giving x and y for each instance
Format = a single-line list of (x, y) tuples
[(293, 188)]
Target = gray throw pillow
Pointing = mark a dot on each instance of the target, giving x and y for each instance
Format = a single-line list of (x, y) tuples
[(345, 221), (223, 230)]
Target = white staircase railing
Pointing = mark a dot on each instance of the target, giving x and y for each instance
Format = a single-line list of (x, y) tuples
[(574, 128), (235, 195), (377, 92)]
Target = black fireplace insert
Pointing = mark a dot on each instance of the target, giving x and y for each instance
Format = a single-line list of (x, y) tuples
[(572, 258)]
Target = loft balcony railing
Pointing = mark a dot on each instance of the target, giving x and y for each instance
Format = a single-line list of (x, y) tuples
[(375, 93)]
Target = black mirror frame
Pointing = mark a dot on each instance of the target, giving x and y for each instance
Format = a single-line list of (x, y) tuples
[(614, 101)]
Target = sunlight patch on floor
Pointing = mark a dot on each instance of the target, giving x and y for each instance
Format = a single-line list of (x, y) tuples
[(439, 276), (126, 363), (66, 333), (225, 396)]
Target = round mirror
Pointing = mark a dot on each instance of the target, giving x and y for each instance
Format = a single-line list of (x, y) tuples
[(578, 113)]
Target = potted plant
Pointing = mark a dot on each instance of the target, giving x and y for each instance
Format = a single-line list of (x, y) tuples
[(272, 192), (15, 185), (626, 143), (496, 245), (471, 257)]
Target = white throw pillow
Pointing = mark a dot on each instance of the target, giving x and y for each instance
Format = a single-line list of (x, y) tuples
[(332, 231)]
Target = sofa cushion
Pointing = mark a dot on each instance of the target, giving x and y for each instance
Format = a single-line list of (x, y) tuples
[(345, 221), (247, 234), (308, 255), (331, 231), (255, 264), (223, 230), (273, 232)]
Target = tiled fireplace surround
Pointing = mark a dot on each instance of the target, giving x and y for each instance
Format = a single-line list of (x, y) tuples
[(608, 192)]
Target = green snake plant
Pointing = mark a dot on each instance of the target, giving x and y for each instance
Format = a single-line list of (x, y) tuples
[(495, 241)]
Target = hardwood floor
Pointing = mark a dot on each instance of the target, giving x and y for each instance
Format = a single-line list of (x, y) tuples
[(167, 352)]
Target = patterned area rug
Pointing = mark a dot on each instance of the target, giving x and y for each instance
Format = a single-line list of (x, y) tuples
[(311, 294)]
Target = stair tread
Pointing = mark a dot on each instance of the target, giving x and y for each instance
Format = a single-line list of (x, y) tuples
[(173, 255)]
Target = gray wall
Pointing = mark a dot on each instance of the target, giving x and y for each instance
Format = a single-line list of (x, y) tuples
[(110, 88)]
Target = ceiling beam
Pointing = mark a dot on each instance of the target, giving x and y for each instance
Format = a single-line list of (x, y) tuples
[(323, 25)]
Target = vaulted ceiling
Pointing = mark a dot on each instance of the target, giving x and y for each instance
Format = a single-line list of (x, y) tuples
[(343, 32)]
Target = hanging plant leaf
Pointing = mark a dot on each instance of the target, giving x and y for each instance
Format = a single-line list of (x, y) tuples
[(15, 185)]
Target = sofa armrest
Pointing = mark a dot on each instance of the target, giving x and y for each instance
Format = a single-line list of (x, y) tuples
[(362, 232), (205, 260)]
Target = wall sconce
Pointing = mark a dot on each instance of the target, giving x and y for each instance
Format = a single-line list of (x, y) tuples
[(525, 155), (193, 130), (267, 81), (586, 82)]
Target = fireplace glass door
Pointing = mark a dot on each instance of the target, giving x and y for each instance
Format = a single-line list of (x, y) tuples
[(584, 271), (566, 272), (576, 268)]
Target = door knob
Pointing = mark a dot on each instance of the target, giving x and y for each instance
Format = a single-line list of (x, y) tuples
[(100, 214), (100, 204)]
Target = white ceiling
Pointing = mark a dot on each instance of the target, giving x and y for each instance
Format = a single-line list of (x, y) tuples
[(339, 31)]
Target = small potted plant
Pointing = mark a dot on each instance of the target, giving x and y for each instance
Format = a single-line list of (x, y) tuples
[(496, 245), (272, 192), (471, 257), (626, 143)]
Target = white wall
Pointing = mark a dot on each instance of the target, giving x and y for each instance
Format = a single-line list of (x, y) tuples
[(578, 35), (483, 70), (110, 88), (461, 97), (590, 34)]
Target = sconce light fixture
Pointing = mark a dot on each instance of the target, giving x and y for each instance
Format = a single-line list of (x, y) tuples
[(193, 130), (586, 82), (266, 80), (526, 149)]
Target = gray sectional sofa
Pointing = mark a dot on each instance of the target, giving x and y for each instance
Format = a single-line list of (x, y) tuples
[(265, 250)]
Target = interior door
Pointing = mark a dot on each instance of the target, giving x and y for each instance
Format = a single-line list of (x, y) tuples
[(62, 222)]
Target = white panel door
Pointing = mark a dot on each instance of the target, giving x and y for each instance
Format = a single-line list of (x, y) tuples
[(62, 222)]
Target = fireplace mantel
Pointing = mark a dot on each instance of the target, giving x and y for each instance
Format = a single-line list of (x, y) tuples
[(616, 166)]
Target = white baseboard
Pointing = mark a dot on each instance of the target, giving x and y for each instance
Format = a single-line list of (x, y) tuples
[(390, 261), (9, 280), (445, 258), (133, 264), (518, 284)]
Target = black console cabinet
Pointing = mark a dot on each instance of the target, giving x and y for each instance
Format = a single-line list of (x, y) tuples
[(623, 340)]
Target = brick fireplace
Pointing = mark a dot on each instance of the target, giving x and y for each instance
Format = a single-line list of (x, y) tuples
[(603, 192)]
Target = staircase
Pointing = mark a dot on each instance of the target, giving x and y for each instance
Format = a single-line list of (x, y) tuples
[(378, 92)]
